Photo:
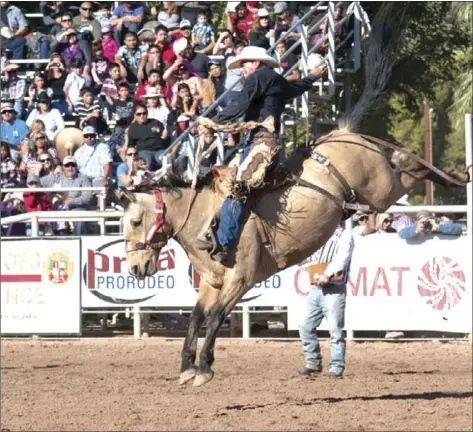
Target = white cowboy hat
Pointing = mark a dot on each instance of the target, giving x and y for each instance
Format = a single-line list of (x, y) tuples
[(180, 45), (151, 92), (253, 53)]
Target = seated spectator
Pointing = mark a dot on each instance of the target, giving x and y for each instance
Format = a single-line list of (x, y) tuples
[(110, 85), (38, 145), (60, 33), (199, 63), (183, 32), (88, 111), (233, 75), (45, 165), (319, 36), (240, 23), (13, 205), (75, 82), (12, 130), (154, 77), (224, 45), (88, 27), (384, 223), (51, 117), (426, 223), (257, 35), (37, 86), (14, 29), (73, 50), (93, 158), (179, 73), (35, 127), (10, 175), (125, 169), (80, 200), (148, 136), (154, 61), (287, 63), (100, 64), (123, 107), (105, 17), (208, 158), (56, 80), (127, 17), (167, 52), (169, 15), (284, 21), (53, 10), (13, 88), (366, 223), (109, 45), (214, 86), (129, 59), (184, 111), (400, 220), (156, 103), (190, 9), (36, 202), (203, 35)]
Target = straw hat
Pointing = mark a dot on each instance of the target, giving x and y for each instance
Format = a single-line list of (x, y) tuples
[(262, 13), (7, 106), (151, 92), (11, 67), (253, 53)]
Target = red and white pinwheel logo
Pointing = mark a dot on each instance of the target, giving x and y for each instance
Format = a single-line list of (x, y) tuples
[(441, 283)]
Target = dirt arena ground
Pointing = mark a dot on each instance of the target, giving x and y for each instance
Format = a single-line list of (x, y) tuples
[(123, 384)]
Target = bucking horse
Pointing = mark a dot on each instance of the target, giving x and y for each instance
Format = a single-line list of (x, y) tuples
[(287, 223)]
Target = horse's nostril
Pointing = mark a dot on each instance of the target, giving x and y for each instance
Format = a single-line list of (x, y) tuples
[(134, 269), (148, 263)]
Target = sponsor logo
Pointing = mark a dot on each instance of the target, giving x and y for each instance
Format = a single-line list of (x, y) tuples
[(441, 283), (59, 267), (105, 273)]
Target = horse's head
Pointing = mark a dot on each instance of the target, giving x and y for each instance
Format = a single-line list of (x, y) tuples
[(146, 231)]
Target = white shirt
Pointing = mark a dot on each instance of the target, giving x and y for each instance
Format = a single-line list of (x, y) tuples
[(91, 159), (53, 121), (161, 113), (76, 82)]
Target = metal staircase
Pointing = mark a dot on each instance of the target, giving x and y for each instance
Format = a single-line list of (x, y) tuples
[(333, 92)]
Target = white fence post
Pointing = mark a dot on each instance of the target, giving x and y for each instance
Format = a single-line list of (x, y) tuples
[(220, 150), (331, 48), (469, 194), (245, 311), (136, 322), (34, 226), (102, 197), (191, 156)]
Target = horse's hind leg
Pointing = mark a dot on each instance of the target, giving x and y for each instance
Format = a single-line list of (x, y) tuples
[(207, 298), (226, 302)]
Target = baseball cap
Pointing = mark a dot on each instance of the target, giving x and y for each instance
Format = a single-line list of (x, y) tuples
[(185, 23), (69, 159), (32, 178), (89, 130), (263, 13), (280, 7)]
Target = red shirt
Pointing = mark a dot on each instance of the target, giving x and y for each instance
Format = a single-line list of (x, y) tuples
[(168, 54), (37, 201), (243, 25), (141, 90)]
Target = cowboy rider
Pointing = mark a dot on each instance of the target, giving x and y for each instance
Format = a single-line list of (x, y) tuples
[(264, 95)]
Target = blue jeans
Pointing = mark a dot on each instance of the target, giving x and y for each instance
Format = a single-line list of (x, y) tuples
[(329, 303), (44, 49), (17, 44), (232, 215), (152, 157), (61, 105)]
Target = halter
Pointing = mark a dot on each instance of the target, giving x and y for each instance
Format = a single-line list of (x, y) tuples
[(157, 237)]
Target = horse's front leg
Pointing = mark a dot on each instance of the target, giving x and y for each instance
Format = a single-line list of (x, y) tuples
[(228, 298), (207, 298)]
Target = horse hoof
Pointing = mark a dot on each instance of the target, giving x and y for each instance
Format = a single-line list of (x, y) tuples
[(187, 375), (203, 378)]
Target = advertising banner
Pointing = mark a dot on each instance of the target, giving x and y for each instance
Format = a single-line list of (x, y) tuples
[(421, 284), (106, 281), (40, 286)]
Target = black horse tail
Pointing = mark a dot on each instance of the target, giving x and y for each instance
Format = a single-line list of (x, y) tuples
[(380, 56)]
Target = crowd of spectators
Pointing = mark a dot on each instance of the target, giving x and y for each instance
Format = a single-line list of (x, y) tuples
[(132, 78)]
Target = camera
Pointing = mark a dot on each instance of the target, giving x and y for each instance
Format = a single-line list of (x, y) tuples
[(427, 225)]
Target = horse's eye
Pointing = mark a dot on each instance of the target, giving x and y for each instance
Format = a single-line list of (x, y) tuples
[(135, 223)]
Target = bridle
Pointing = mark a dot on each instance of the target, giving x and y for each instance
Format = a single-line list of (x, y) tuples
[(160, 232)]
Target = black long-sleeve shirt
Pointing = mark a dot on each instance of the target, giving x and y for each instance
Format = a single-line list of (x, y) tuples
[(264, 94)]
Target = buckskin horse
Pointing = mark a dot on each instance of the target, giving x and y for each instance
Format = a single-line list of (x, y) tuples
[(287, 223)]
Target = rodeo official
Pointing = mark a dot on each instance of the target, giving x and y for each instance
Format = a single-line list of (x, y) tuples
[(328, 275), (264, 95)]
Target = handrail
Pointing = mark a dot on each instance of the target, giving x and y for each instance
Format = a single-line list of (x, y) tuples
[(55, 189)]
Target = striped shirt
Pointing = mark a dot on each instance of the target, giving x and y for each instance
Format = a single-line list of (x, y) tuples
[(81, 110), (91, 160), (205, 31), (337, 251)]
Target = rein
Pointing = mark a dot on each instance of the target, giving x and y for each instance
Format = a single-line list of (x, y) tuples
[(394, 147)]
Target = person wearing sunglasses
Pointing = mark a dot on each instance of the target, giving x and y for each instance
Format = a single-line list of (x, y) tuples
[(365, 223), (38, 145), (12, 130), (86, 24), (148, 136), (124, 170), (384, 223), (94, 159), (14, 29)]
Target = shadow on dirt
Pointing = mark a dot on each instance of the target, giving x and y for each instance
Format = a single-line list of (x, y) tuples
[(408, 396)]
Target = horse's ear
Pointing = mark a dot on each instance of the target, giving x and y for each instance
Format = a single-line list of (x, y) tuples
[(128, 195)]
